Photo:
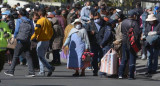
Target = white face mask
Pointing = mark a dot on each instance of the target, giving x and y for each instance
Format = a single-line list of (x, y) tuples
[(97, 20), (88, 7), (78, 26)]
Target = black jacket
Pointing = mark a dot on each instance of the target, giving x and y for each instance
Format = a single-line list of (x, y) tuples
[(126, 25), (97, 37), (149, 27), (108, 37)]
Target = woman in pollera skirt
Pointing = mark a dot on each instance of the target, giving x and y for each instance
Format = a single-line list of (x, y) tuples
[(78, 43)]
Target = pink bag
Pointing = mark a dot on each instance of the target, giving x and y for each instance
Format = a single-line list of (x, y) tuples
[(109, 63), (87, 56)]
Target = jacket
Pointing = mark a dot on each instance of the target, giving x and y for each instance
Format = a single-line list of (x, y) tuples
[(3, 41), (152, 40), (148, 28), (42, 28), (118, 34), (61, 21), (57, 38), (82, 33), (97, 37), (85, 12), (108, 37), (126, 25)]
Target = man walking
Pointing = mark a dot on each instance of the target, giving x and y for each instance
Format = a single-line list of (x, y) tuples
[(23, 32), (43, 33)]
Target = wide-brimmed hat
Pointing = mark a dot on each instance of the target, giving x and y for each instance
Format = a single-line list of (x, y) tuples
[(77, 21), (151, 17)]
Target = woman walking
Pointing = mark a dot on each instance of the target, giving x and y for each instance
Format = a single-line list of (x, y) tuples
[(78, 43)]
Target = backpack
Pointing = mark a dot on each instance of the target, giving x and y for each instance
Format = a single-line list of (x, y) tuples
[(132, 42), (25, 31)]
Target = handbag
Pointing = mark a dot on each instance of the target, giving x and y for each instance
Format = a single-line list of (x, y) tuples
[(109, 62), (87, 56), (152, 39), (12, 42)]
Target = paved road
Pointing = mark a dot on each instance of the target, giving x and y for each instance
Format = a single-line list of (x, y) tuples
[(62, 77)]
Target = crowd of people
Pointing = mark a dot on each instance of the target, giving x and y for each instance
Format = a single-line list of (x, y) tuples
[(76, 29)]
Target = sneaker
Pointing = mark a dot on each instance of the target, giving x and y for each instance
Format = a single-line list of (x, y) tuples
[(89, 68), (120, 77), (8, 73), (40, 74), (143, 57), (30, 75), (50, 72), (21, 63)]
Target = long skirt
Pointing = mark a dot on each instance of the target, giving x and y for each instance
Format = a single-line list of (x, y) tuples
[(76, 49)]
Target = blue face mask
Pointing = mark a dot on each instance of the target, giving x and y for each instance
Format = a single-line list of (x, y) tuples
[(97, 20)]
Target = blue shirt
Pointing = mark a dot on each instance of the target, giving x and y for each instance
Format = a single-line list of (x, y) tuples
[(18, 22), (85, 13)]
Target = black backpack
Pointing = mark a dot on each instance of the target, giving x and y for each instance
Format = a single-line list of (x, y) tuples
[(25, 31)]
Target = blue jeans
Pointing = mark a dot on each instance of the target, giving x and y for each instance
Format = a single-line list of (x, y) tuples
[(42, 47), (127, 55), (98, 53), (152, 59)]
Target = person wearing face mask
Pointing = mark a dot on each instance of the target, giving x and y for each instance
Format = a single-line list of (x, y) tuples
[(96, 31), (152, 32), (95, 7), (71, 16), (78, 43), (85, 12), (109, 37)]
